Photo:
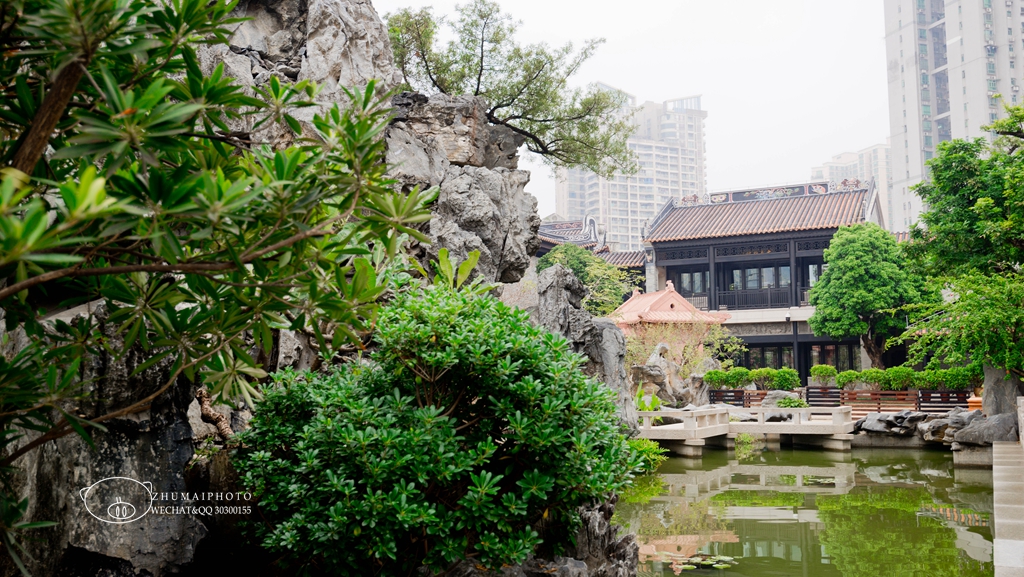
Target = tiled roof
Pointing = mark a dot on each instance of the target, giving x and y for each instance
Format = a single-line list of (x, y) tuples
[(664, 306), (901, 236), (824, 211), (628, 259)]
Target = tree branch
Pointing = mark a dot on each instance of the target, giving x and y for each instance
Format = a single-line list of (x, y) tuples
[(47, 117)]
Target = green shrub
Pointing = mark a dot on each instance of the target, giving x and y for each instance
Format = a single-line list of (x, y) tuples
[(650, 453), (929, 379), (471, 428), (899, 378), (823, 372), (785, 379), (846, 377), (962, 378), (737, 377), (716, 379), (875, 376), (788, 403), (762, 377)]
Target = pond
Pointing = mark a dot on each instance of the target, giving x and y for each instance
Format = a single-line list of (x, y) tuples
[(869, 513)]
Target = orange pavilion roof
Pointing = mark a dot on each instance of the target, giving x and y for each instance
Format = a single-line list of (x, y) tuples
[(664, 306)]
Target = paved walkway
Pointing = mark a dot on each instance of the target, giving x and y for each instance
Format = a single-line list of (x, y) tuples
[(1008, 498)]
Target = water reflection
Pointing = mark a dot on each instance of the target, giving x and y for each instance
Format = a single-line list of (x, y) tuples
[(872, 513)]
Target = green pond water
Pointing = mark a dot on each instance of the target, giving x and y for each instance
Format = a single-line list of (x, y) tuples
[(872, 513)]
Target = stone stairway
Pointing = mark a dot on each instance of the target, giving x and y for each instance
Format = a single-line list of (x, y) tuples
[(1008, 499)]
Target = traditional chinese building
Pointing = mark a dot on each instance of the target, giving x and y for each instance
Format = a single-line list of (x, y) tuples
[(756, 254), (588, 234)]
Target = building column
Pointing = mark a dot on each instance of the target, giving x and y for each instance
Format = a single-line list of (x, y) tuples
[(794, 289), (712, 281), (651, 273)]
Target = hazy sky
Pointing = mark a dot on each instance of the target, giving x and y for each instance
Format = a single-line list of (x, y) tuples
[(787, 83)]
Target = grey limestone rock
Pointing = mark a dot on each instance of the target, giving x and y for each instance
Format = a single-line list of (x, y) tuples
[(488, 210), (561, 311), (903, 423), (459, 127), (152, 446), (985, 431), (346, 45), (773, 397), (662, 372), (933, 431), (772, 400), (482, 204), (1001, 392)]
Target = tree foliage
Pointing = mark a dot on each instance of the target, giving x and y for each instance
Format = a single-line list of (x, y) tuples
[(865, 282), (982, 322), (473, 434), (975, 215), (972, 243), (606, 283), (689, 344), (526, 86), (197, 243)]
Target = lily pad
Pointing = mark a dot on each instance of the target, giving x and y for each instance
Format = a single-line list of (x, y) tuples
[(687, 567), (721, 566)]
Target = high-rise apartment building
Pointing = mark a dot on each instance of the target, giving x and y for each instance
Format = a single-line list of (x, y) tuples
[(669, 145), (948, 63), (871, 163)]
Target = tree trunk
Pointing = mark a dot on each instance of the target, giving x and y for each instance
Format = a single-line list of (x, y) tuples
[(47, 117), (874, 351)]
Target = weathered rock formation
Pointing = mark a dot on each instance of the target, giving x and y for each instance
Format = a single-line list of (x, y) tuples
[(337, 43), (659, 376), (153, 446), (1001, 392), (957, 428), (561, 311), (483, 204)]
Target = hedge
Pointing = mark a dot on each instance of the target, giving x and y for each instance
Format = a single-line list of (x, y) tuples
[(905, 378)]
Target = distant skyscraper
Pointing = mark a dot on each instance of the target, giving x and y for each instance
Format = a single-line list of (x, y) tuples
[(948, 61), (871, 163), (669, 144)]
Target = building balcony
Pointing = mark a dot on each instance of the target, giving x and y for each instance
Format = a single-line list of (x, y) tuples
[(775, 298)]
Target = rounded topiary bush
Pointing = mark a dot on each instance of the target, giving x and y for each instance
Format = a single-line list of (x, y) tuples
[(785, 379), (716, 379), (473, 434), (762, 377), (737, 377), (823, 374), (874, 376), (899, 378), (846, 377)]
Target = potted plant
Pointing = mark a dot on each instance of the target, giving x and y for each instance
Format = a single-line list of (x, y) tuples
[(762, 378), (899, 378), (785, 379), (850, 381), (738, 378), (716, 379), (823, 376), (873, 378)]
